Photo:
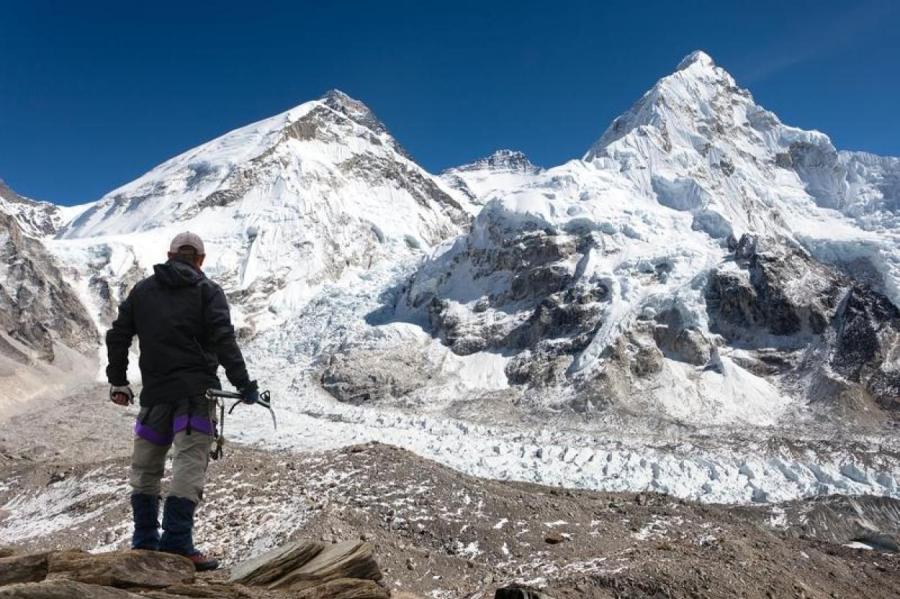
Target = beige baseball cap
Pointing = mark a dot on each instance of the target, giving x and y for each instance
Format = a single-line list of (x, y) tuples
[(187, 239)]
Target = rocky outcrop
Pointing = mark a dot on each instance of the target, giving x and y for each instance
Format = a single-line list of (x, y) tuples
[(778, 291), (349, 569), (299, 570), (125, 569), (541, 310)]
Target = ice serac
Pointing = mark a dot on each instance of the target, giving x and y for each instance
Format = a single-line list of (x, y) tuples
[(703, 264), (285, 205)]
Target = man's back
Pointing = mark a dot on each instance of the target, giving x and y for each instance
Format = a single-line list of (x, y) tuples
[(183, 324)]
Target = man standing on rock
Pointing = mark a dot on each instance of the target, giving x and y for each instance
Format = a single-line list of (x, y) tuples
[(184, 329)]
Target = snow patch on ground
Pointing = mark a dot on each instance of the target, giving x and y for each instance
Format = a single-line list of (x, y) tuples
[(62, 504)]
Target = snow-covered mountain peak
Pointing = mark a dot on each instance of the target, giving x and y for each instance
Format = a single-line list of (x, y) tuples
[(285, 205), (698, 92), (480, 180), (508, 160), (697, 57), (698, 142), (307, 140), (353, 109)]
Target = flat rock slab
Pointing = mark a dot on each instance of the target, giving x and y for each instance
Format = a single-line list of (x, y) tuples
[(202, 591), (300, 566), (346, 588), (272, 565), (350, 559), (147, 569), (63, 589), (23, 568)]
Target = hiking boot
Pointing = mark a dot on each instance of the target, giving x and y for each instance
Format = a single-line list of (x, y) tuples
[(203, 562), (145, 510), (178, 527)]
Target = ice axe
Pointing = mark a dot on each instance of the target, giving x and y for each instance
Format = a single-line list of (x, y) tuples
[(219, 396)]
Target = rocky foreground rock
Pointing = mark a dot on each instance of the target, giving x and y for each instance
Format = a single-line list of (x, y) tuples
[(344, 570)]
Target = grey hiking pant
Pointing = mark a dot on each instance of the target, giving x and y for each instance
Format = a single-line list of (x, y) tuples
[(190, 427)]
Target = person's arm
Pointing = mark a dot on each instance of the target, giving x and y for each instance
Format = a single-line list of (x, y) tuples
[(118, 342), (217, 320)]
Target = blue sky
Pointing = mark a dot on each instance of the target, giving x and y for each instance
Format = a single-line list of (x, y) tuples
[(93, 94)]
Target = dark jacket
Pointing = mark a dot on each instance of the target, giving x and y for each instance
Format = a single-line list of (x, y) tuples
[(182, 322)]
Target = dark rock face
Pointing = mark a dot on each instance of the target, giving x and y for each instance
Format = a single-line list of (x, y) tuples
[(38, 305), (543, 313), (523, 253), (539, 285), (732, 299), (566, 316), (780, 297), (868, 344), (781, 291)]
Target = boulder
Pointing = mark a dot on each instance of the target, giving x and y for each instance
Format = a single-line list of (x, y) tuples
[(349, 559), (148, 569), (302, 566), (269, 567), (63, 589)]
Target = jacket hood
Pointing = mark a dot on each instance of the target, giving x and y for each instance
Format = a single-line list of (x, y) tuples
[(177, 274)]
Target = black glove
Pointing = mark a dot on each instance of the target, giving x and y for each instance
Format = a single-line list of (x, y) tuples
[(250, 392)]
